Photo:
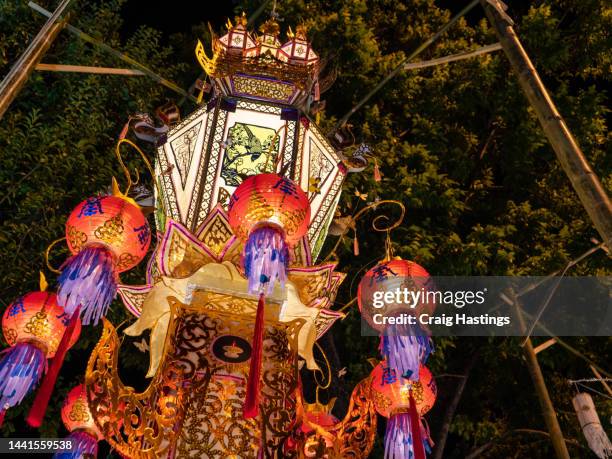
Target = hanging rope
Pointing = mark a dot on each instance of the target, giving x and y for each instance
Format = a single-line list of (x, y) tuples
[(590, 389)]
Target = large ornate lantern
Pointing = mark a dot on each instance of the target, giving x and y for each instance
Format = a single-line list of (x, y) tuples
[(405, 347), (106, 235), (246, 188), (403, 401), (77, 419), (33, 325)]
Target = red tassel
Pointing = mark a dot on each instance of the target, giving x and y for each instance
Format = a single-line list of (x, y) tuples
[(2, 413), (39, 407), (415, 424), (125, 129), (251, 403), (355, 246), (377, 174)]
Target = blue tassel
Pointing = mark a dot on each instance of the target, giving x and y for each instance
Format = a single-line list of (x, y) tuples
[(88, 279), (399, 443), (405, 350), (20, 371), (265, 259), (83, 445)]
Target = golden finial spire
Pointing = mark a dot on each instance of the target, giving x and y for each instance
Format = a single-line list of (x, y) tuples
[(270, 27), (241, 20), (300, 31)]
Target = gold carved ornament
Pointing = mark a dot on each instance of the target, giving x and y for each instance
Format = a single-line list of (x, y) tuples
[(138, 425), (353, 437), (357, 431), (213, 424)]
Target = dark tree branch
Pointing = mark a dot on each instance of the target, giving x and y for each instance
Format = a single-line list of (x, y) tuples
[(481, 449), (452, 407)]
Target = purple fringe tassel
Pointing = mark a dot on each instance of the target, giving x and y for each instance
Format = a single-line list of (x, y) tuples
[(265, 259), (88, 279), (83, 446), (405, 350), (398, 438), (20, 370)]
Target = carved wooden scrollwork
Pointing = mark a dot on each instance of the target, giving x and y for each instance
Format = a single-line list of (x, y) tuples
[(351, 438), (138, 425)]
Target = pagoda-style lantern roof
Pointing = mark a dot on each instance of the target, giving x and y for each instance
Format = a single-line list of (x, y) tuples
[(297, 50), (262, 68), (268, 42), (237, 40)]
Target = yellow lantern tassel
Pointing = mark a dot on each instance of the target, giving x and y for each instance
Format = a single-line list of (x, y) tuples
[(201, 95)]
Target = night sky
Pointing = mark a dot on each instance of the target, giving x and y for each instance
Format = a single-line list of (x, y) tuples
[(175, 16)]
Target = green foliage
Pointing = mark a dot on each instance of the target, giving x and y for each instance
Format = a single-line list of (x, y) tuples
[(457, 144)]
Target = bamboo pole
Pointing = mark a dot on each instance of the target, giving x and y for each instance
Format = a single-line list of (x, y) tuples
[(21, 70), (588, 187), (548, 410), (88, 69), (453, 57)]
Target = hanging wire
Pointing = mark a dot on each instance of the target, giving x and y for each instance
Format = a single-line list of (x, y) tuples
[(401, 65), (47, 252), (595, 391)]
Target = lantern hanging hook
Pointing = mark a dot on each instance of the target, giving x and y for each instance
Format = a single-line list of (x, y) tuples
[(353, 220), (127, 174), (388, 229), (384, 229), (48, 251), (329, 373)]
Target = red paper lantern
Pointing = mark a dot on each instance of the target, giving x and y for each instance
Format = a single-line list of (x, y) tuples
[(33, 325), (111, 222), (381, 295), (317, 416), (269, 213), (77, 418), (388, 277), (269, 199), (392, 392), (107, 235), (403, 401), (38, 319), (76, 414)]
